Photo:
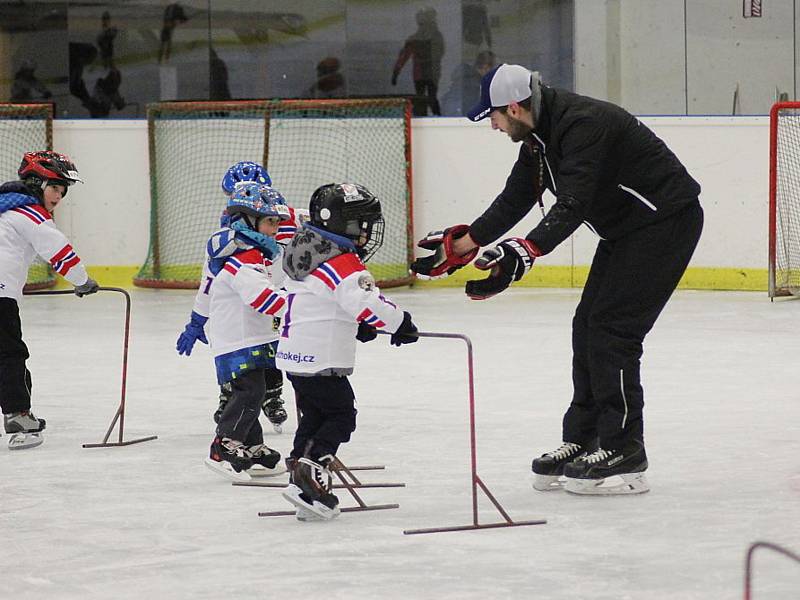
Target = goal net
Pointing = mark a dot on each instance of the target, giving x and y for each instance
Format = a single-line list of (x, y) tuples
[(26, 128), (303, 144)]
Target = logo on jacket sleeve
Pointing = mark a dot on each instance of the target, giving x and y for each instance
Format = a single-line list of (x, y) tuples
[(366, 281)]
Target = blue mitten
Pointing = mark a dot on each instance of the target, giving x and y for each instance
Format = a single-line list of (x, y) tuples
[(192, 332)]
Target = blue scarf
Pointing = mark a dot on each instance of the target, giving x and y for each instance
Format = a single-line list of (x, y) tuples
[(266, 244), (14, 200)]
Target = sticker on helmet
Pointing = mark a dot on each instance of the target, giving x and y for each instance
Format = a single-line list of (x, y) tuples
[(351, 193)]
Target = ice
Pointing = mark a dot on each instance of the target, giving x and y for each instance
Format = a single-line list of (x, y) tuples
[(150, 521)]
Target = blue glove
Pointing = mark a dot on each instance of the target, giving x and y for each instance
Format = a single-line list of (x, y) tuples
[(193, 332)]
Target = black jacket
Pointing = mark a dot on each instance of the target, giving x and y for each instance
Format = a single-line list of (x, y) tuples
[(605, 168)]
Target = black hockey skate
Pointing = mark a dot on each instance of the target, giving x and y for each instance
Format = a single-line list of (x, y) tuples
[(230, 459), (275, 413), (310, 487), (225, 395), (266, 461), (609, 472), (548, 469), (25, 429)]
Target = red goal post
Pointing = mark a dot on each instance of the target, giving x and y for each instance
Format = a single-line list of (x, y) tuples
[(303, 144)]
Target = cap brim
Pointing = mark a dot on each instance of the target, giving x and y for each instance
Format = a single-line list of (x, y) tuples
[(479, 112)]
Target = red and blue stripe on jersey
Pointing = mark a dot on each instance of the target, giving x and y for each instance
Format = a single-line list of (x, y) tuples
[(64, 260), (370, 318), (332, 273), (268, 301), (35, 212)]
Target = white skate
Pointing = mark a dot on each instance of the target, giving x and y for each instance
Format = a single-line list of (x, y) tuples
[(22, 441), (616, 485), (225, 469)]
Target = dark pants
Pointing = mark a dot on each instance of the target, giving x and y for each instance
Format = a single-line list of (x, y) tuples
[(15, 379), (239, 420), (426, 91), (327, 415), (629, 284)]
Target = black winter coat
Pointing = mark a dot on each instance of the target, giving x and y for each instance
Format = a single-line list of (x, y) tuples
[(605, 168)]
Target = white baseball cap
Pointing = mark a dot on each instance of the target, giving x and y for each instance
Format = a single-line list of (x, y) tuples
[(500, 87)]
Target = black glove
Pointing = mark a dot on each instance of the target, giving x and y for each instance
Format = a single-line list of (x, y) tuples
[(406, 333), (90, 287), (444, 261), (366, 333), (509, 261)]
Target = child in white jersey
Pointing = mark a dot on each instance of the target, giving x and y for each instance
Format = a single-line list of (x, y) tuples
[(332, 301), (27, 229), (243, 303), (223, 243)]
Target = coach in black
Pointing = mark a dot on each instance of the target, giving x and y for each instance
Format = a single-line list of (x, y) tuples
[(609, 171)]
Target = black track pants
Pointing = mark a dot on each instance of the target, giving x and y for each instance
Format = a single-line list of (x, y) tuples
[(239, 420), (15, 379), (629, 284), (328, 415)]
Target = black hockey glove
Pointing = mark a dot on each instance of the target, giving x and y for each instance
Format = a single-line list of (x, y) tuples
[(90, 287), (509, 261), (406, 333), (366, 333), (444, 261)]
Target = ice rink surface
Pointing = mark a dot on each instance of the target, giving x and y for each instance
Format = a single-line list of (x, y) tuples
[(151, 521)]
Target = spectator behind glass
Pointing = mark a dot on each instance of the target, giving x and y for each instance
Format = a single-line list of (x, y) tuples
[(465, 90), (425, 48), (105, 40), (330, 82), (174, 15), (26, 86), (218, 77)]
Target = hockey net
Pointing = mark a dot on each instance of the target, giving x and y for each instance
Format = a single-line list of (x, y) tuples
[(303, 144), (26, 128)]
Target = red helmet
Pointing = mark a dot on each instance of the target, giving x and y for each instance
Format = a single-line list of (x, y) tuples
[(48, 167)]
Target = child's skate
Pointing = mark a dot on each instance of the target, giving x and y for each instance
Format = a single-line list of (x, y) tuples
[(229, 458), (310, 490), (266, 461), (274, 411), (25, 429)]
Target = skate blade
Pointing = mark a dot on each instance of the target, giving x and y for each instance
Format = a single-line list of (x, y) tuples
[(226, 470), (23, 441), (306, 516), (319, 510), (548, 483), (616, 485), (262, 471)]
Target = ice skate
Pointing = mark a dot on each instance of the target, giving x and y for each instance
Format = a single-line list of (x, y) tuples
[(266, 461), (609, 472), (548, 469), (275, 413), (309, 489), (225, 394), (229, 458), (25, 429)]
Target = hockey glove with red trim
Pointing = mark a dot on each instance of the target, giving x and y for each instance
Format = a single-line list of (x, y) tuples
[(366, 332), (406, 333), (444, 261), (509, 261)]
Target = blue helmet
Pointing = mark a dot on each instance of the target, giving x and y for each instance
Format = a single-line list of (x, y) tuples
[(244, 171), (256, 201)]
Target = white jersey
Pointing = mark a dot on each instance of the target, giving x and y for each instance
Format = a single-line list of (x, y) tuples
[(26, 231), (244, 302), (323, 313)]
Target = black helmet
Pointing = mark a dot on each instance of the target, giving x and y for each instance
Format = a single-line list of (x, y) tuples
[(352, 211)]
